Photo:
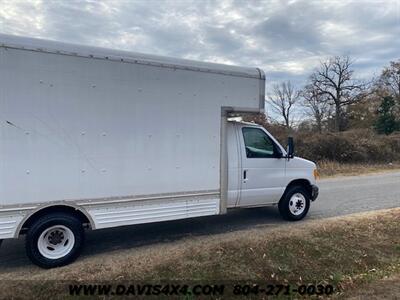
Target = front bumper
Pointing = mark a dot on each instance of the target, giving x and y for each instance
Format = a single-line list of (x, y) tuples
[(314, 192)]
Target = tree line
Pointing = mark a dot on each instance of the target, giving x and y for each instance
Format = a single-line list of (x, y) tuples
[(333, 99)]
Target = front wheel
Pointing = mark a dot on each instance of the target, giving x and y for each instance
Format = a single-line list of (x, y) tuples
[(54, 240), (295, 204)]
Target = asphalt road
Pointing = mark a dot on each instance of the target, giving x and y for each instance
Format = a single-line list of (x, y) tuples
[(338, 196)]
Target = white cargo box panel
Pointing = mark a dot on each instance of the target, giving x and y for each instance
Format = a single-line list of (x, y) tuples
[(85, 125)]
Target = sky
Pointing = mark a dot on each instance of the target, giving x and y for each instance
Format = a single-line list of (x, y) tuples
[(285, 38)]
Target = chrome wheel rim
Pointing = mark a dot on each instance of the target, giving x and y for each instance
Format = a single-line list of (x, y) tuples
[(56, 242)]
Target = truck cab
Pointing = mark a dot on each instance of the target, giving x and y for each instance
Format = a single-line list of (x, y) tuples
[(261, 172)]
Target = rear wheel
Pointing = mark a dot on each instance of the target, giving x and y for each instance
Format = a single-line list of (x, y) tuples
[(54, 240), (295, 203)]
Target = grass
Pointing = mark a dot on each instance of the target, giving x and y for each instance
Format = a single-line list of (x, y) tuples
[(387, 287), (331, 168), (348, 252)]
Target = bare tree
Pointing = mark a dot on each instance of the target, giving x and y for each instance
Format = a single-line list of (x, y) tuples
[(334, 79), (390, 79), (316, 105), (282, 101)]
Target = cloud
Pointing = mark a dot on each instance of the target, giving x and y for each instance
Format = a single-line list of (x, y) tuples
[(285, 38)]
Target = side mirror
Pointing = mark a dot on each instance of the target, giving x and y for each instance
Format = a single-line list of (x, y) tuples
[(290, 147)]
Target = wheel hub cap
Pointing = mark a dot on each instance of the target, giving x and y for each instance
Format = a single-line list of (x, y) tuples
[(56, 242), (56, 237), (297, 204)]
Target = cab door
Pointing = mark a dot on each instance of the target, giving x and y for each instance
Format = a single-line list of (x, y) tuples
[(262, 167)]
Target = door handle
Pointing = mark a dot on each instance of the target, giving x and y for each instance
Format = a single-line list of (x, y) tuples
[(245, 176)]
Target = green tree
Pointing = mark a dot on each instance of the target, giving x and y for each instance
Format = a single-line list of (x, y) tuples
[(386, 122)]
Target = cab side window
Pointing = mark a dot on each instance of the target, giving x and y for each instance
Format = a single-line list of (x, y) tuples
[(258, 144)]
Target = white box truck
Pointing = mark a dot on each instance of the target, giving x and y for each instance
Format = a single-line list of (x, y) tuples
[(96, 138)]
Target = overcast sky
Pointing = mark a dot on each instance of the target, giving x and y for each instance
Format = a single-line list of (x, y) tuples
[(285, 38)]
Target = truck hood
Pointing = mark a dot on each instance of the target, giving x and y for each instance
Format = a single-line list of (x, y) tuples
[(301, 163)]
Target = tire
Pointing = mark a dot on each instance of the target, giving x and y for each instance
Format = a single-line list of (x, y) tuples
[(54, 240), (295, 203)]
